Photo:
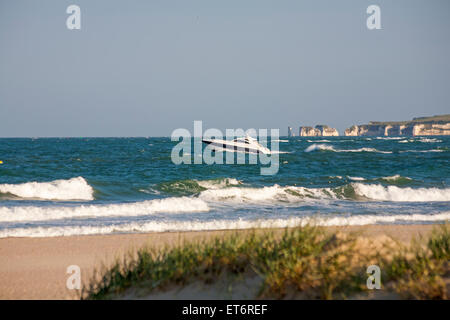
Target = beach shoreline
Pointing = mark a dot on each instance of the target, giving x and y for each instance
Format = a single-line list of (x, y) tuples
[(36, 268)]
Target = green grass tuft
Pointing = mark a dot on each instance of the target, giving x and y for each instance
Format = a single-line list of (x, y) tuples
[(421, 271)]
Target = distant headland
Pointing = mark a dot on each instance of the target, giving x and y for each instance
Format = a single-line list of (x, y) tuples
[(423, 126)]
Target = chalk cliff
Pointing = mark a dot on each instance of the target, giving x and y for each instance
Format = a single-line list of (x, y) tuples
[(308, 132), (326, 131), (318, 131), (426, 126)]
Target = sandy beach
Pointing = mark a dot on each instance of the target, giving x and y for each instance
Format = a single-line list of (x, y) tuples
[(35, 268)]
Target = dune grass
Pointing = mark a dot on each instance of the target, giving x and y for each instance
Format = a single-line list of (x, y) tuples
[(307, 262), (422, 270)]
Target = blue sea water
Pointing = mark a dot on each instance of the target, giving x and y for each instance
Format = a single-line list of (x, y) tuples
[(75, 186)]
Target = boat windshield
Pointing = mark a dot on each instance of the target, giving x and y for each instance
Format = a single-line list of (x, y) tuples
[(245, 140)]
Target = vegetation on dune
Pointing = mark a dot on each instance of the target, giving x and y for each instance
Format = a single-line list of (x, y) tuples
[(307, 262), (421, 271)]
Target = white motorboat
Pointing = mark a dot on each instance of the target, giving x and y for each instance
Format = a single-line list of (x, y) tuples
[(245, 144)]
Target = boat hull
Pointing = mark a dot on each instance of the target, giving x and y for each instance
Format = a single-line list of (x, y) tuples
[(223, 145)]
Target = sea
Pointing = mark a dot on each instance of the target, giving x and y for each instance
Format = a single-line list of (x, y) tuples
[(82, 186)]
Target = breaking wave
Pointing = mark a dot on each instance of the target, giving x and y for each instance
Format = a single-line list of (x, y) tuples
[(393, 193), (167, 205), (430, 140), (395, 177), (318, 140), (326, 147), (319, 147), (71, 189), (352, 191), (424, 140), (356, 178), (389, 138), (221, 224), (423, 151)]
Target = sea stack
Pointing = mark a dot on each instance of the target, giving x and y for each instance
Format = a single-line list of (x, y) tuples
[(319, 131), (327, 131), (290, 132)]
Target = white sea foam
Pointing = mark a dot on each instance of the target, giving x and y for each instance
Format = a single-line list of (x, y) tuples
[(167, 205), (218, 183), (269, 194), (163, 226), (232, 195), (395, 177), (356, 178), (71, 189), (429, 140), (394, 193), (424, 140), (316, 147), (364, 150), (278, 193), (326, 147), (318, 140), (391, 219), (423, 151)]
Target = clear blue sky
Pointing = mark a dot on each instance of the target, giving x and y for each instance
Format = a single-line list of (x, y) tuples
[(145, 68)]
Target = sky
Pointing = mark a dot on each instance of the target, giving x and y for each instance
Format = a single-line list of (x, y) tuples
[(146, 68)]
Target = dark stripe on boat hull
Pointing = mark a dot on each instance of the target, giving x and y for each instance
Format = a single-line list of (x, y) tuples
[(231, 148)]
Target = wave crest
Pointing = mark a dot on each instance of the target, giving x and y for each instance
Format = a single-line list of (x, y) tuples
[(396, 179), (70, 189), (319, 147), (354, 191), (270, 194), (162, 226), (326, 147), (167, 205), (393, 193)]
